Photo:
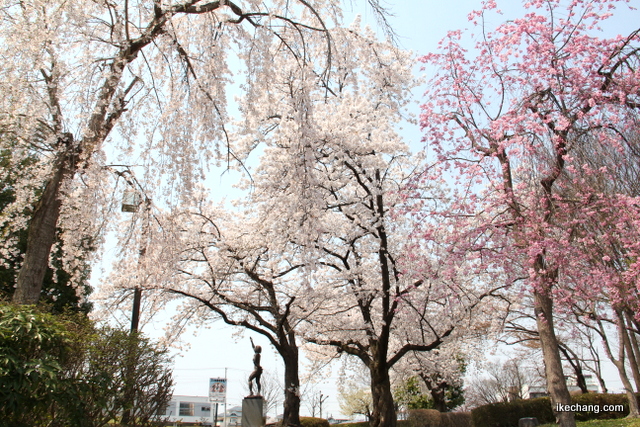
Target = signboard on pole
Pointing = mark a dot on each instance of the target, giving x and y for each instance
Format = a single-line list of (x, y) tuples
[(217, 389)]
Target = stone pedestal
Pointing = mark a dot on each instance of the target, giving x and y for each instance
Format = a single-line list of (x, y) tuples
[(252, 411)]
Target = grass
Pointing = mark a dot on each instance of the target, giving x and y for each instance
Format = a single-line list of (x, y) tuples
[(620, 422)]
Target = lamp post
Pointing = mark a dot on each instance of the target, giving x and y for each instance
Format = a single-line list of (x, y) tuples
[(131, 203)]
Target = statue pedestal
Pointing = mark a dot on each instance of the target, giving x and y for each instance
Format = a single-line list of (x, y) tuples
[(252, 411)]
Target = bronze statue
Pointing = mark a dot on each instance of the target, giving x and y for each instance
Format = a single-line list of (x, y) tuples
[(257, 369)]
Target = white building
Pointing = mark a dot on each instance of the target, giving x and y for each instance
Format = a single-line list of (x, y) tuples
[(197, 410), (530, 392)]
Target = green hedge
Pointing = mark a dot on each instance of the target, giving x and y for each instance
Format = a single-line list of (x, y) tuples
[(424, 418), (433, 418), (456, 419), (313, 422), (601, 400), (401, 423), (507, 414)]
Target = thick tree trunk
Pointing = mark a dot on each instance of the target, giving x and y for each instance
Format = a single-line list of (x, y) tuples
[(42, 230), (291, 414), (439, 400), (556, 382), (438, 392), (383, 411)]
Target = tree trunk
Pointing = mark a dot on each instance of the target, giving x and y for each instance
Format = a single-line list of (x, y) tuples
[(634, 410), (383, 411), (556, 382), (42, 229), (291, 414), (603, 385), (575, 363), (437, 391), (439, 399), (629, 339)]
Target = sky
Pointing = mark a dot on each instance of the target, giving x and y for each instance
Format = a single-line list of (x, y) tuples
[(219, 350)]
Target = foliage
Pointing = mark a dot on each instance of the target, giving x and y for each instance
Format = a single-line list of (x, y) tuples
[(507, 414), (445, 395), (33, 346), (410, 395), (627, 422), (69, 373), (601, 400), (123, 371), (358, 424), (424, 418), (433, 418), (355, 401), (456, 419), (401, 423), (313, 422), (314, 251)]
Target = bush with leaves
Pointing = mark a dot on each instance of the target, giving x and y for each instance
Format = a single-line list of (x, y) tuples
[(124, 372), (409, 395), (313, 422), (32, 347), (507, 414), (63, 371)]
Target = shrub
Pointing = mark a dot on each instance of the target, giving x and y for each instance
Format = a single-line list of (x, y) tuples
[(70, 374), (455, 419), (358, 424), (313, 422), (33, 346), (600, 400), (424, 418), (507, 414)]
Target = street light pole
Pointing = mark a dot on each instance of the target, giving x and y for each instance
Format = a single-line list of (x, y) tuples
[(135, 315)]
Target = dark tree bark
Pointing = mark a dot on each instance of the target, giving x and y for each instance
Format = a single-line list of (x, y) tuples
[(576, 364), (556, 382), (383, 412), (291, 414), (437, 389), (42, 229), (634, 407), (628, 345)]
